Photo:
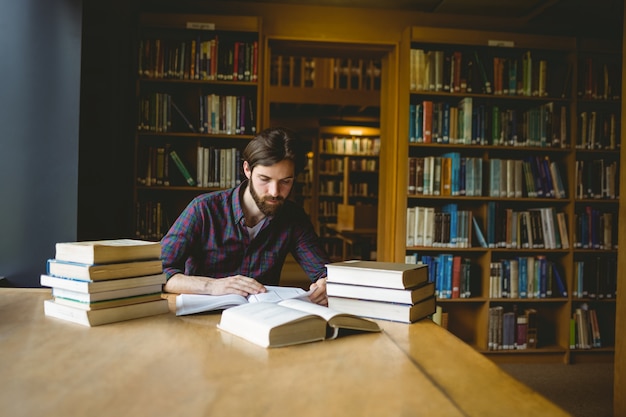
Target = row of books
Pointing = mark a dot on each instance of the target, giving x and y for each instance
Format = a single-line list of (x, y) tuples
[(329, 73), (381, 290), (215, 167), (157, 170), (216, 114), (597, 179), (354, 145), (335, 166), (201, 58), (100, 282), (595, 278), (598, 130), (328, 208), (153, 219), (534, 176), (534, 228), (585, 329), (218, 167), (448, 174), (452, 274), (510, 330), (456, 71), (595, 229), (599, 79), (445, 227), (467, 122), (526, 277), (334, 188)]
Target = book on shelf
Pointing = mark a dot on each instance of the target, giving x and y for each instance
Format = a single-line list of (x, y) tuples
[(107, 251), (99, 272), (377, 274), (106, 315), (390, 295), (290, 322), (95, 287), (182, 168), (200, 303), (404, 313)]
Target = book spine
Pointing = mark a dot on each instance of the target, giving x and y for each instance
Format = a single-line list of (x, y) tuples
[(183, 169)]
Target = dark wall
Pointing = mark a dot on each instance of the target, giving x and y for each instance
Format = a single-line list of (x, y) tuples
[(107, 120), (40, 42)]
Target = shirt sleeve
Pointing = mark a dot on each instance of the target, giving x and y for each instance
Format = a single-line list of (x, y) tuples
[(177, 243), (309, 252)]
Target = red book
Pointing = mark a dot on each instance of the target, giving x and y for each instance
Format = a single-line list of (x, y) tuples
[(456, 277), (428, 121)]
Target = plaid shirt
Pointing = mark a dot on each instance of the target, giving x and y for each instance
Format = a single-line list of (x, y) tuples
[(210, 238)]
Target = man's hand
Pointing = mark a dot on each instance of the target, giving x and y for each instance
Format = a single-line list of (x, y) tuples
[(237, 284), (318, 296)]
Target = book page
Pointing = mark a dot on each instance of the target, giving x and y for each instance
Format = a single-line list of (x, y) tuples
[(309, 307), (276, 294), (198, 303)]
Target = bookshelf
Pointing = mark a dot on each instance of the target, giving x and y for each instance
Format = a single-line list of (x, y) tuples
[(499, 139), (197, 97), (346, 179)]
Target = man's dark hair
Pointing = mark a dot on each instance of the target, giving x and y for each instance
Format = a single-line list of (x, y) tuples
[(274, 145)]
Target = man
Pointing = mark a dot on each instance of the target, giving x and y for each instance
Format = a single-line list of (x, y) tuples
[(235, 241)]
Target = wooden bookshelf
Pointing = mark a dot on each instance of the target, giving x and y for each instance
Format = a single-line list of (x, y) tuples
[(538, 116), (197, 95), (346, 179)]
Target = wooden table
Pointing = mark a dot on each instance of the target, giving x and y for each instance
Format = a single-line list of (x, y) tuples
[(185, 366)]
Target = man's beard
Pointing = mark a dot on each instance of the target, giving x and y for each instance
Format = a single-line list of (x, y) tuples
[(267, 209)]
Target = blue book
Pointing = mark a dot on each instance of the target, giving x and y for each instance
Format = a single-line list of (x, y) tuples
[(558, 280), (543, 276), (419, 123), (522, 263), (506, 278), (444, 276), (445, 133)]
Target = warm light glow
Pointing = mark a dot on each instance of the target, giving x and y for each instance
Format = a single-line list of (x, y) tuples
[(356, 132)]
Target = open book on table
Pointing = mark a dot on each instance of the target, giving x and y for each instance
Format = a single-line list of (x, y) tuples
[(199, 303), (290, 322)]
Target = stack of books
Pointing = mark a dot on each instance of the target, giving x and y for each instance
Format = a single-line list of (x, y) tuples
[(106, 281), (381, 290)]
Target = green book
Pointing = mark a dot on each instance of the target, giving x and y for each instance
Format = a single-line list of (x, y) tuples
[(183, 169)]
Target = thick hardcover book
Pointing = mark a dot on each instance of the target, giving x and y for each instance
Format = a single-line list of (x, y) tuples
[(377, 274), (200, 303), (101, 286), (289, 322), (105, 315), (107, 251), (390, 295), (117, 302), (405, 313), (89, 272), (106, 295)]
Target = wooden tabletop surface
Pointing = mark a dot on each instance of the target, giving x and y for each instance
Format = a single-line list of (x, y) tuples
[(185, 366)]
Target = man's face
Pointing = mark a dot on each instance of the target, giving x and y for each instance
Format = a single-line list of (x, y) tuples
[(270, 185)]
